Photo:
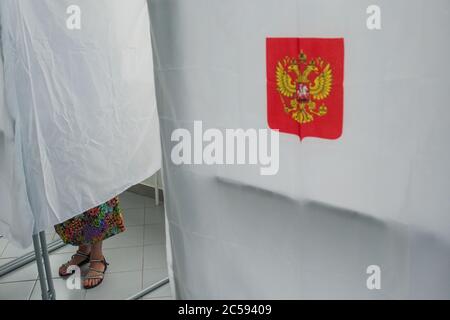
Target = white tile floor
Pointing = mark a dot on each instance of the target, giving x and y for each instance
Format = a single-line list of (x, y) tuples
[(137, 259)]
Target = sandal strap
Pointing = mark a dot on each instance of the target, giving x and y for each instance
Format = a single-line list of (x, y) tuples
[(77, 254), (98, 271), (100, 276), (81, 254), (100, 261)]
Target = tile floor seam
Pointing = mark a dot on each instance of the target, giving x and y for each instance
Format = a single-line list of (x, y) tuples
[(19, 281), (84, 294), (32, 290), (4, 249)]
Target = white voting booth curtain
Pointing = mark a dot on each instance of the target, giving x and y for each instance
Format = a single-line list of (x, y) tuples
[(378, 196), (78, 123), (12, 187)]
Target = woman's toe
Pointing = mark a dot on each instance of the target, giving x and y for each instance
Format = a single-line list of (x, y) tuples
[(90, 282)]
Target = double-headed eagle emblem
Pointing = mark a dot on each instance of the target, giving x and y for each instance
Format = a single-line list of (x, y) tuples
[(303, 85)]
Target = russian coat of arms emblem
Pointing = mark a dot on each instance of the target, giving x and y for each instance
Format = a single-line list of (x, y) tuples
[(305, 86)]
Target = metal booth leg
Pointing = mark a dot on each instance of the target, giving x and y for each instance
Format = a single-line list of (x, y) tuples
[(157, 189), (150, 289), (47, 266), (43, 266)]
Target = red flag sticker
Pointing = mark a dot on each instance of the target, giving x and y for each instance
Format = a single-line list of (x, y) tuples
[(305, 93)]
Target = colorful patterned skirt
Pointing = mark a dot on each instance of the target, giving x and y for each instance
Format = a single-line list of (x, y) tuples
[(94, 225)]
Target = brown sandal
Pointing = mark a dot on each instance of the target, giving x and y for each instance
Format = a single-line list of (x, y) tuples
[(80, 264), (99, 274)]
